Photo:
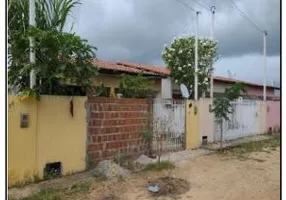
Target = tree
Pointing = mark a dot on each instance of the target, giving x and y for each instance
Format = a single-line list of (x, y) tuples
[(62, 58), (180, 58), (135, 86), (222, 105)]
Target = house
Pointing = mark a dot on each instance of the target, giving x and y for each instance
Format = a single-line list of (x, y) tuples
[(163, 86), (110, 73)]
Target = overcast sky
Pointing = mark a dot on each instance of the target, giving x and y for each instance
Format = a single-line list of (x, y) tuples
[(136, 30)]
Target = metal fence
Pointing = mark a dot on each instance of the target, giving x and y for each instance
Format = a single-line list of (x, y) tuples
[(169, 122)]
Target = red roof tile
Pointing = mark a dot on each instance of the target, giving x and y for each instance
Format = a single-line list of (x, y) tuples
[(124, 66), (131, 68), (158, 70)]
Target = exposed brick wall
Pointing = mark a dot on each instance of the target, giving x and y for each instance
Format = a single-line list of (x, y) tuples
[(115, 125)]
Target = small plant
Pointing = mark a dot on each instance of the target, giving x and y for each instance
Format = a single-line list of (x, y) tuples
[(135, 86), (119, 158), (148, 139), (159, 166), (160, 126), (222, 105)]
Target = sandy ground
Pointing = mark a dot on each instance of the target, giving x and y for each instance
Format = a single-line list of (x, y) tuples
[(211, 177)]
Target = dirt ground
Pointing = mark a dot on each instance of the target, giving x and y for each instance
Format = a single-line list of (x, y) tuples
[(216, 176), (210, 177)]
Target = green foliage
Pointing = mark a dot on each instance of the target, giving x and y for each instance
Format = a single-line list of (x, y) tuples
[(180, 58), (159, 166), (135, 86), (222, 104), (102, 91), (80, 187), (47, 194), (61, 58), (234, 91)]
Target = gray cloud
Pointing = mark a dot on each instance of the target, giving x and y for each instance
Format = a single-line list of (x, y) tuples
[(137, 30)]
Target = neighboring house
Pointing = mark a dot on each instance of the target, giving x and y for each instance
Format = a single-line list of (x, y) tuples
[(110, 73), (164, 87)]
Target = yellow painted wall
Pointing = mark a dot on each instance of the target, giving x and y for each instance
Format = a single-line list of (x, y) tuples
[(53, 136), (112, 81), (206, 120), (61, 137), (192, 125), (21, 141)]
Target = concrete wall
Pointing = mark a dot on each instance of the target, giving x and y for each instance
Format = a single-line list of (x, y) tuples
[(206, 120), (192, 125), (61, 137), (22, 164), (262, 116), (273, 115), (53, 135), (219, 87)]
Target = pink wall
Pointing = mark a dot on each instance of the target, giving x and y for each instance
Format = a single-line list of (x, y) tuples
[(273, 114), (259, 91)]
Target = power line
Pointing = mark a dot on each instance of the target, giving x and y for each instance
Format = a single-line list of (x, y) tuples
[(245, 16), (187, 6), (200, 5)]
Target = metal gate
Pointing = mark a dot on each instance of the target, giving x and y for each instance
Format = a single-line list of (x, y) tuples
[(169, 116), (243, 121)]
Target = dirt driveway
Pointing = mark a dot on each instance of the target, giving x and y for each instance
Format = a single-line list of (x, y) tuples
[(211, 177)]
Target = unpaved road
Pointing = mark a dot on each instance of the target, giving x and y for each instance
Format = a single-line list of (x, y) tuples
[(213, 177)]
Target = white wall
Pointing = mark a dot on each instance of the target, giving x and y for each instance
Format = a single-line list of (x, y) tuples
[(166, 88)]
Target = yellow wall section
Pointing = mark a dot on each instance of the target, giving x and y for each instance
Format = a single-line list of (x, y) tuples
[(61, 137), (192, 125), (21, 141), (52, 136)]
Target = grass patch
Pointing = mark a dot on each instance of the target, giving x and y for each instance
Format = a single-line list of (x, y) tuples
[(81, 187), (100, 177), (47, 194), (256, 146), (59, 194), (158, 166)]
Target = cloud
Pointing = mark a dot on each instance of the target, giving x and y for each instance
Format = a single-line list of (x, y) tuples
[(137, 30), (250, 68)]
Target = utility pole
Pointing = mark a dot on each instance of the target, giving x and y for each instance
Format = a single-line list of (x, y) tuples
[(212, 38), (196, 55), (264, 65), (32, 22)]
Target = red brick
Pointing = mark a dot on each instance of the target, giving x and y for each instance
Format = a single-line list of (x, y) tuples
[(95, 155), (94, 147), (110, 138)]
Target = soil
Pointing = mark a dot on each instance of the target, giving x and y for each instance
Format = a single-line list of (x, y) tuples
[(170, 186), (209, 177), (216, 176)]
